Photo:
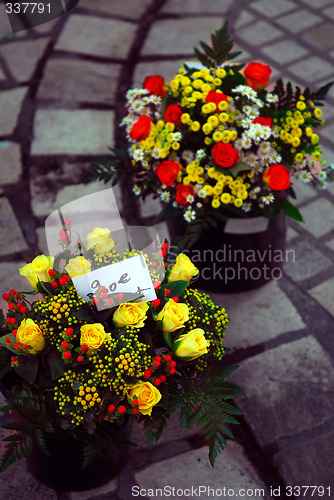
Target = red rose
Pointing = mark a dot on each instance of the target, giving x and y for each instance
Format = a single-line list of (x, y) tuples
[(257, 75), (182, 193), (278, 177), (156, 85), (167, 172), (216, 97), (141, 128), (265, 122), (173, 114), (224, 154)]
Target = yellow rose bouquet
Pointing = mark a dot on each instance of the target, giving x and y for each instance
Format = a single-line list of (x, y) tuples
[(66, 363)]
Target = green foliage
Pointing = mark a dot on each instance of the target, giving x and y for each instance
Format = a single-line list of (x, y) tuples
[(292, 211), (109, 168), (287, 97), (220, 50), (153, 427)]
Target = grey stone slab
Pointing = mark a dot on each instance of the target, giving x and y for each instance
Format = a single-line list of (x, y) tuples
[(319, 217), (324, 294), (5, 26), (311, 69), (106, 489), (44, 29), (10, 105), (304, 191), (328, 131), (10, 162), (296, 23), (192, 469), (308, 262), (23, 56), (258, 315), (260, 33), (11, 237), (244, 18), (320, 36), (291, 50), (330, 244), (287, 390), (320, 3), (273, 9), (2, 74), (329, 12), (166, 69), (161, 39), (72, 132), (291, 234), (82, 35), (117, 8), (196, 7), (299, 465), (79, 81)]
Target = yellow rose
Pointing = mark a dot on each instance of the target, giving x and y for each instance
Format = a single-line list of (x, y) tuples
[(147, 395), (29, 333), (99, 239), (93, 335), (183, 269), (192, 345), (173, 316), (131, 313), (77, 266), (38, 269)]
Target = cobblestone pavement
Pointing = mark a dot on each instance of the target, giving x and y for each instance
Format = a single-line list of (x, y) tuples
[(62, 89)]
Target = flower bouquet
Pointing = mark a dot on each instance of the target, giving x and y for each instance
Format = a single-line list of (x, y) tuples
[(214, 144), (88, 367)]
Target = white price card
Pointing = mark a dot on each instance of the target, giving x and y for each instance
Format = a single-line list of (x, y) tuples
[(129, 276), (249, 225)]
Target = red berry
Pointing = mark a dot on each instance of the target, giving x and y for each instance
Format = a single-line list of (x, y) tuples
[(158, 358), (24, 347), (104, 295), (8, 320), (19, 305), (5, 296), (67, 354), (172, 371), (156, 302), (95, 300), (103, 289), (12, 321), (11, 305), (14, 332), (163, 378), (165, 265), (24, 310), (111, 408), (62, 281), (12, 291), (154, 264), (147, 373), (167, 291), (162, 252), (63, 235), (13, 359), (168, 357), (110, 301), (68, 222), (121, 409), (84, 347), (67, 277), (135, 411), (7, 340), (165, 246), (17, 345), (176, 299), (172, 364), (69, 331), (52, 272), (157, 363), (79, 358), (64, 345), (157, 381), (54, 284), (156, 285), (135, 402), (120, 295)]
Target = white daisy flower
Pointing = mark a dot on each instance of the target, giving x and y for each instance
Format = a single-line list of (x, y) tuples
[(156, 153), (306, 177), (200, 154), (322, 185), (246, 207), (189, 215), (190, 198), (136, 190), (271, 98), (322, 176), (188, 155), (165, 196)]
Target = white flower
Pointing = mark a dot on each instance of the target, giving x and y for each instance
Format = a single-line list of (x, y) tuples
[(246, 142), (165, 196), (156, 153), (176, 136), (250, 159), (322, 175), (199, 204), (271, 98), (266, 200), (246, 207), (202, 193), (138, 154), (200, 154), (188, 155), (305, 177), (175, 204), (136, 190), (189, 214), (251, 111), (322, 185), (154, 99), (190, 198)]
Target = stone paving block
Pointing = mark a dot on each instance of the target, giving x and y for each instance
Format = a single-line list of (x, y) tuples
[(106, 489), (320, 3), (80, 36), (319, 217), (299, 465), (290, 49), (321, 37), (11, 237), (161, 37), (296, 23), (330, 244), (23, 56), (308, 262), (166, 69), (196, 7), (10, 162), (10, 105), (291, 234), (324, 294), (260, 33), (117, 8), (243, 19), (287, 390), (304, 191), (273, 9), (192, 469), (44, 29), (2, 74), (329, 12), (311, 69), (328, 131), (77, 132), (79, 81), (258, 315)]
